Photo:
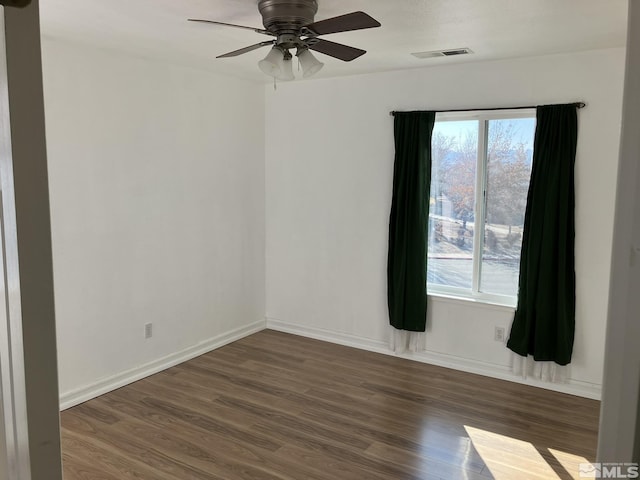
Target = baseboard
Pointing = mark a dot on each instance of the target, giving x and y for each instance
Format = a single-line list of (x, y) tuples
[(573, 387), (330, 336), (105, 385)]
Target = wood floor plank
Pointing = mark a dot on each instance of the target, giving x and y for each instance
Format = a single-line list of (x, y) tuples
[(109, 461), (126, 446), (241, 448), (438, 382), (189, 447), (424, 463), (274, 406)]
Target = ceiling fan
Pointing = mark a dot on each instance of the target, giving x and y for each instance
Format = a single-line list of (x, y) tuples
[(291, 23)]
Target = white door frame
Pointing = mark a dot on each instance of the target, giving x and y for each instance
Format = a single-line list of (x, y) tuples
[(29, 403), (14, 459), (619, 435)]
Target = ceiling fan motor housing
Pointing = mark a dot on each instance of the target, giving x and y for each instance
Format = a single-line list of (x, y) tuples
[(285, 16)]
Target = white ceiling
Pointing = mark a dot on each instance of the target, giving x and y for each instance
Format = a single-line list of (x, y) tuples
[(493, 29)]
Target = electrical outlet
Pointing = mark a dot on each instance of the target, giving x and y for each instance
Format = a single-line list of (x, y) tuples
[(498, 335), (148, 330)]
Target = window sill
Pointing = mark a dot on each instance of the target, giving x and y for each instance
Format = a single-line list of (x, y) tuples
[(481, 302)]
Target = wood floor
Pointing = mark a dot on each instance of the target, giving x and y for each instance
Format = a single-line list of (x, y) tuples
[(278, 406)]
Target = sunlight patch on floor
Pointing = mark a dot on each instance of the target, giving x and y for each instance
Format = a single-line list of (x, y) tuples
[(571, 463), (508, 458)]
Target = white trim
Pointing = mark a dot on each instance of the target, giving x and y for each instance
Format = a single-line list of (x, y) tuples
[(469, 295), (480, 207), (438, 296), (108, 384), (329, 336), (505, 114), (15, 460), (105, 385), (502, 372)]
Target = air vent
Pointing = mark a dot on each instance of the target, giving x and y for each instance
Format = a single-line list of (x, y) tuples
[(443, 53), (458, 51)]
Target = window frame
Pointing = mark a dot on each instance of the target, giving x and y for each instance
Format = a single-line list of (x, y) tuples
[(480, 205)]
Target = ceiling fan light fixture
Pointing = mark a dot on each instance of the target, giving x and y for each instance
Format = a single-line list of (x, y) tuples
[(310, 64), (287, 69), (273, 63)]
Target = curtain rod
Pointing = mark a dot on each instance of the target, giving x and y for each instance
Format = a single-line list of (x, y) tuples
[(576, 104)]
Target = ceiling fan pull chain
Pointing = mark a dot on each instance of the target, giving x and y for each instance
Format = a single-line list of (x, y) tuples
[(275, 87)]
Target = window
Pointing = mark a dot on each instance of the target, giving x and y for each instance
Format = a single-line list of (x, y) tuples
[(479, 182)]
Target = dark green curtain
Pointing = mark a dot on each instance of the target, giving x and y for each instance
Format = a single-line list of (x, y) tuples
[(544, 321), (409, 221)]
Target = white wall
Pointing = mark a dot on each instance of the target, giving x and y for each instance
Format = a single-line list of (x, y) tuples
[(329, 165), (157, 178), (157, 203)]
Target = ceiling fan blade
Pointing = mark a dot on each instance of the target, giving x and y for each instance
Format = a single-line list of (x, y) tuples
[(343, 23), (251, 48), (336, 50), (257, 30)]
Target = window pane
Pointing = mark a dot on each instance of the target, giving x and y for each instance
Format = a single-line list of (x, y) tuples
[(452, 201), (509, 156)]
